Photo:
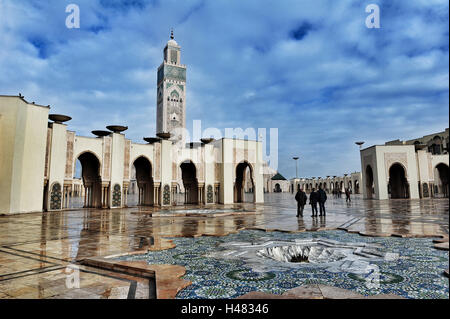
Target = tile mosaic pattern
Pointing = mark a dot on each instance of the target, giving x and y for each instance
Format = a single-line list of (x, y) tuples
[(116, 196), (166, 195), (209, 194), (418, 273), (55, 197)]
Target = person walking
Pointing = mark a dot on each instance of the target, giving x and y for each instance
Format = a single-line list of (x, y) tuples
[(301, 199), (322, 199), (347, 195), (313, 200)]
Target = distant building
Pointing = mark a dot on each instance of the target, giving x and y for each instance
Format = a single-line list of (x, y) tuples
[(330, 184), (274, 182), (278, 184), (417, 168)]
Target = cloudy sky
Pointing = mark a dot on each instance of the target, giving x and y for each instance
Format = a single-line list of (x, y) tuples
[(312, 69)]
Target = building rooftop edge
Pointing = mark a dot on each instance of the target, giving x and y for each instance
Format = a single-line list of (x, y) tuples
[(23, 99)]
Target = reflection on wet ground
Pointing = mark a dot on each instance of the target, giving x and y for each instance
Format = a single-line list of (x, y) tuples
[(36, 249)]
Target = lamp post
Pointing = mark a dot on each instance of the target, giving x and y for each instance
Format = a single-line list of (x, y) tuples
[(295, 158), (359, 144)]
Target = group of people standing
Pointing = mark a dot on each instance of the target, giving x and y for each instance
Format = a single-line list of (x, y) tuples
[(316, 197)]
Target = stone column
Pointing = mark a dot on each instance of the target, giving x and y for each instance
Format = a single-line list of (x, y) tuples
[(139, 196), (105, 195), (201, 187), (156, 194), (85, 196), (125, 194), (63, 199), (216, 193), (174, 193)]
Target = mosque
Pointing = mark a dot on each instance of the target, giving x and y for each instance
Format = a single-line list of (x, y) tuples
[(38, 156)]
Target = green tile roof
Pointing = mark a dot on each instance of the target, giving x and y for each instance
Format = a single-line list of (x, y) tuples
[(278, 177)]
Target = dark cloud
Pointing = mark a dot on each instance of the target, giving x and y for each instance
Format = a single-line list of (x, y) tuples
[(124, 4), (300, 32), (42, 45)]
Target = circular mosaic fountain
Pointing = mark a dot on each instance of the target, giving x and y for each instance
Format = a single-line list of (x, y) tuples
[(299, 253), (267, 254), (233, 265)]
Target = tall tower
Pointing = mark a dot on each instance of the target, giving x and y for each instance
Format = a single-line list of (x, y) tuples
[(171, 94)]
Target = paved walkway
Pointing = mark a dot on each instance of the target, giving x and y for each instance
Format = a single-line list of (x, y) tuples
[(41, 254)]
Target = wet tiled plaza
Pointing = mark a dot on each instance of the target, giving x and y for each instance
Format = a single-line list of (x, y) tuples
[(48, 255)]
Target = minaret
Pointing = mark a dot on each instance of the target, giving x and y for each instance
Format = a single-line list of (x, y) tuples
[(171, 94)]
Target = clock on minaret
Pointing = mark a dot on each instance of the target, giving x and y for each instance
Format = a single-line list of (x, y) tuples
[(171, 93)]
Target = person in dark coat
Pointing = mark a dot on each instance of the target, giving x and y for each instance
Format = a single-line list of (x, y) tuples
[(301, 199), (322, 200), (313, 200), (347, 195)]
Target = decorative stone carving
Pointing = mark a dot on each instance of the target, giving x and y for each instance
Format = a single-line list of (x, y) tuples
[(201, 171), (175, 73), (217, 169), (430, 169), (157, 168), (55, 197), (392, 158), (174, 171), (69, 155), (126, 160), (47, 151), (107, 158)]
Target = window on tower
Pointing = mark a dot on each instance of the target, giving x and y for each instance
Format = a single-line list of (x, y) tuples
[(173, 56)]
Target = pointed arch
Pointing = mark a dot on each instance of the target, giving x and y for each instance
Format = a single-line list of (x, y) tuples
[(243, 171), (398, 186)]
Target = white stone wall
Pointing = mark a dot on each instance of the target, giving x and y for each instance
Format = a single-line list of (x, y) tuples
[(23, 128)]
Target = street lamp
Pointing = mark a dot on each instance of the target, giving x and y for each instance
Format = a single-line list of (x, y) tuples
[(295, 158), (359, 144)]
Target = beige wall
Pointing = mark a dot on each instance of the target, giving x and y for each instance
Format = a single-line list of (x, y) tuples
[(418, 165), (22, 155), (88, 144)]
